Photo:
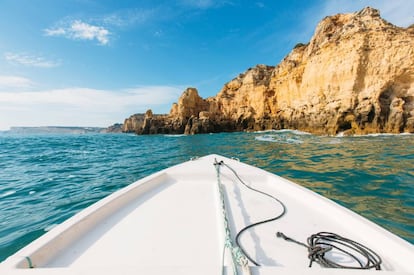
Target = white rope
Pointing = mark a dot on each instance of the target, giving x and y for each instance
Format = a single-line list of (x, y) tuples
[(237, 254)]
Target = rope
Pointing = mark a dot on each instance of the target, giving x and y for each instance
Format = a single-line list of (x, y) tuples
[(239, 234), (29, 261), (318, 245), (321, 243), (237, 253)]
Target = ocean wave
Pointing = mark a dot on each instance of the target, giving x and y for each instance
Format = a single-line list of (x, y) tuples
[(279, 139), (386, 135), (285, 136), (7, 193), (341, 134), (175, 136), (296, 132)]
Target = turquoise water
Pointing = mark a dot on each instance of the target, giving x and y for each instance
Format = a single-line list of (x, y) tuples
[(45, 179)]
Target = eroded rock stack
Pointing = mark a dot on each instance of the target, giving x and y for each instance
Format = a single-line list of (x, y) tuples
[(355, 76)]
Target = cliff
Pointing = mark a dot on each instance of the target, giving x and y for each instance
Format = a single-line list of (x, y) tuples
[(356, 76)]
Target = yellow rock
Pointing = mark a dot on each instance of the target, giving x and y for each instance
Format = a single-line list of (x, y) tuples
[(355, 76)]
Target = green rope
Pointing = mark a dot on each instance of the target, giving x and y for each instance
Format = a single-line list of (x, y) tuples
[(237, 254), (29, 261)]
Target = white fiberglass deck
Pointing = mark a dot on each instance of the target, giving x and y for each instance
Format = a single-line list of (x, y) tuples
[(172, 223), (158, 228)]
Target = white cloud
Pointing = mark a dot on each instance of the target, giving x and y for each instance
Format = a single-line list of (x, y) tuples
[(30, 60), (79, 30), (130, 17), (55, 32), (10, 81), (82, 106)]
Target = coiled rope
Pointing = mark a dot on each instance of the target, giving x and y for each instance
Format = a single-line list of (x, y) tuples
[(323, 242)]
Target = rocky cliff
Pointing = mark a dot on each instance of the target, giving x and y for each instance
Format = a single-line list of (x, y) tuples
[(356, 76)]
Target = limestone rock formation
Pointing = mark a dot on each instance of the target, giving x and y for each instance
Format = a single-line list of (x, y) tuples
[(133, 123), (356, 76), (148, 123)]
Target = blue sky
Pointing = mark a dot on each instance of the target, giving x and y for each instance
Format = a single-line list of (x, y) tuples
[(95, 62)]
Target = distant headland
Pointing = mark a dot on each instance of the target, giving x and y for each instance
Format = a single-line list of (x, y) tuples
[(355, 76), (55, 130)]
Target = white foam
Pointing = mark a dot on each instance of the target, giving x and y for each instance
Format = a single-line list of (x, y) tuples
[(279, 139), (265, 138), (341, 134), (7, 193), (169, 135), (296, 132)]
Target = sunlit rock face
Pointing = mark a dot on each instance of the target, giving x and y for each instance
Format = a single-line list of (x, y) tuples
[(355, 76)]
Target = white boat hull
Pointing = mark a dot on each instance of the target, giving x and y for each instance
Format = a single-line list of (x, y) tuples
[(172, 223)]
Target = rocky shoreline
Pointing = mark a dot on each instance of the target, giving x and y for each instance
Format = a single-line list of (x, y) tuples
[(355, 76)]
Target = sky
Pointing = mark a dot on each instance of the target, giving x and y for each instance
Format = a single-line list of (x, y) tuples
[(96, 62)]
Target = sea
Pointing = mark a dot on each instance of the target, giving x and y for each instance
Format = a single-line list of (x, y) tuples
[(47, 178)]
